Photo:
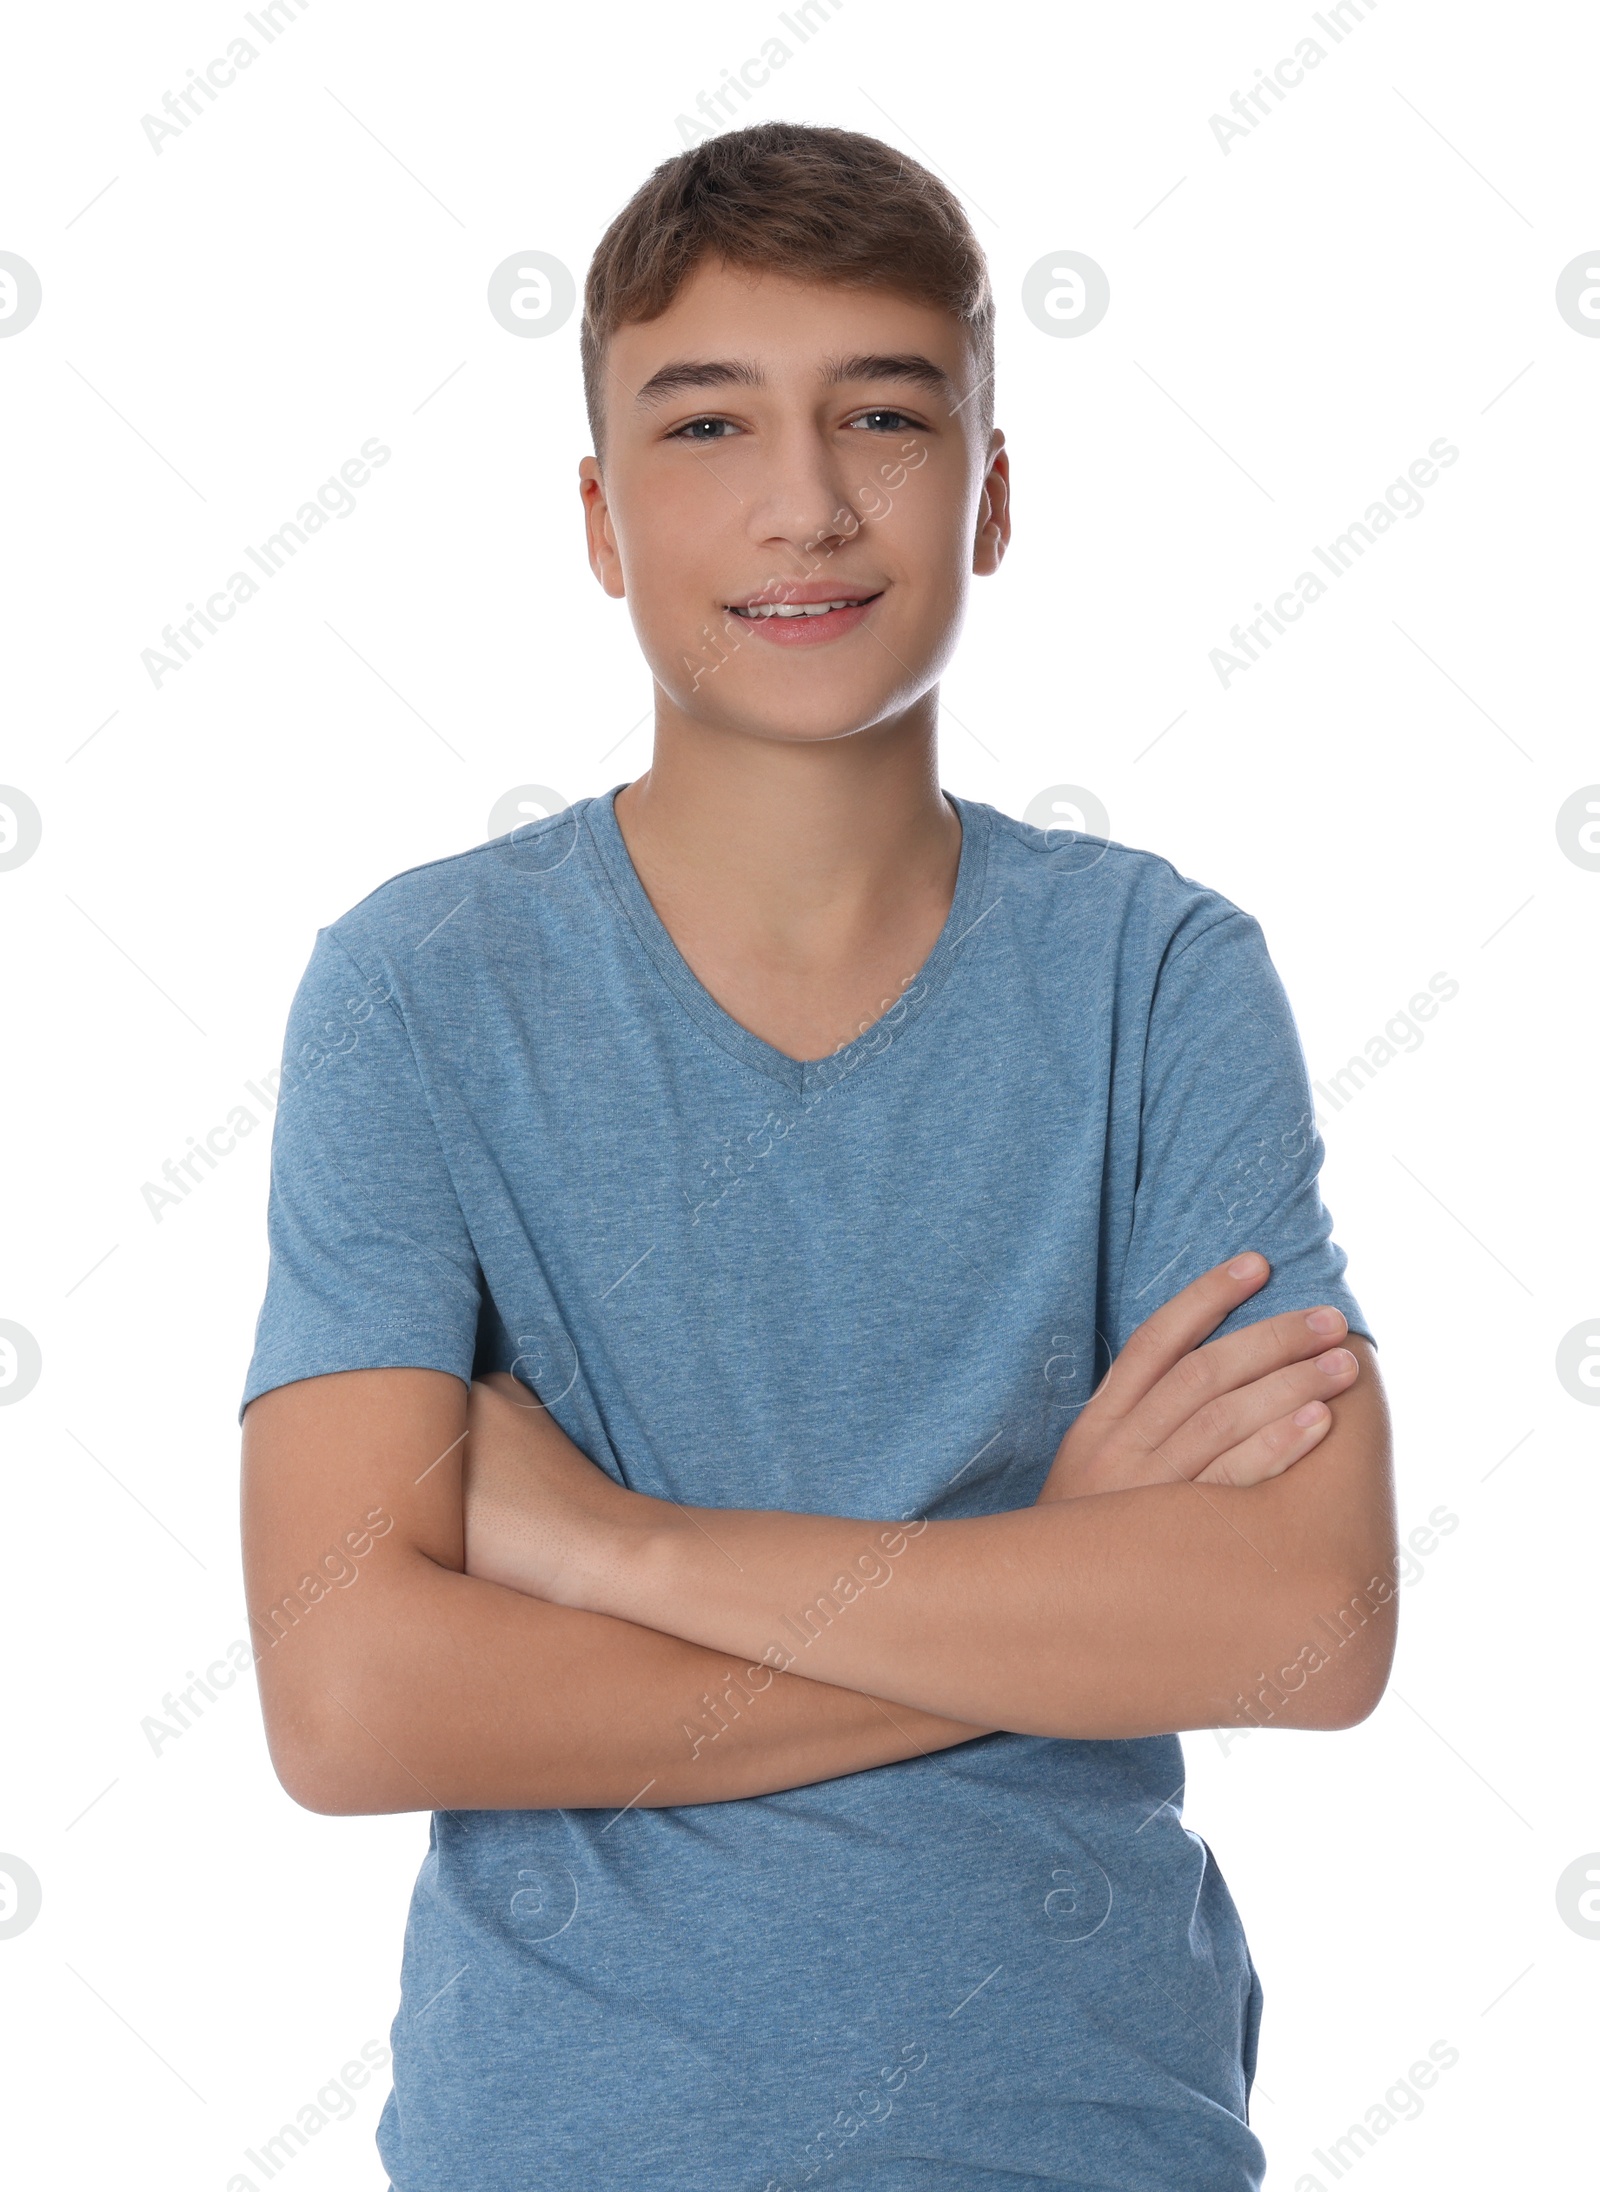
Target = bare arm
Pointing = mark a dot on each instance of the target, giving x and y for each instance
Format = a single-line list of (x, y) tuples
[(392, 1681), (1188, 1601), (1126, 1614)]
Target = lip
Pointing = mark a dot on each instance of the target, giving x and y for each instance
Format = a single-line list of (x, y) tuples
[(811, 631), (802, 596)]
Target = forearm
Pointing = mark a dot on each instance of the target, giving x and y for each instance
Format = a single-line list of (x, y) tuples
[(1176, 1604), (455, 1694), (1127, 1614)]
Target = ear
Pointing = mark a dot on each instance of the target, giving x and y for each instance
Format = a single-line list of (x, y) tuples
[(994, 510), (604, 560)]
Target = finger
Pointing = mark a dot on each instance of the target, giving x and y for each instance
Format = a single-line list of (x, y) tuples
[(1228, 1419), (1177, 1327), (1274, 1448), (1200, 1380)]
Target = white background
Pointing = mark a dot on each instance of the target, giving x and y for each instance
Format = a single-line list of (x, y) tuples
[(1298, 318)]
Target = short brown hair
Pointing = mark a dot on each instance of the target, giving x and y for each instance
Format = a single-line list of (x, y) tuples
[(820, 205)]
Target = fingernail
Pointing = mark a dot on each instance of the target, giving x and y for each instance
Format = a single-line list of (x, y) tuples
[(1246, 1267), (1325, 1320), (1312, 1412), (1336, 1361)]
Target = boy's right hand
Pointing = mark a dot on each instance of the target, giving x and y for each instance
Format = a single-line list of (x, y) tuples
[(1171, 1410)]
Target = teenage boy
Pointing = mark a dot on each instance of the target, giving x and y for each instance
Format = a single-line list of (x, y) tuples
[(804, 1195)]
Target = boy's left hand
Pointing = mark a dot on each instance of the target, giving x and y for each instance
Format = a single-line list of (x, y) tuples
[(1171, 1410)]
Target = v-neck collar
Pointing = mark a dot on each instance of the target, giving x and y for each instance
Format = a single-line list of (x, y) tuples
[(803, 1076)]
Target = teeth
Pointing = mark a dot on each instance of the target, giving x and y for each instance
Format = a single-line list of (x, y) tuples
[(794, 609)]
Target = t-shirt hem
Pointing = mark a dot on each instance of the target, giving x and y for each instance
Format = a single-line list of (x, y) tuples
[(401, 1356)]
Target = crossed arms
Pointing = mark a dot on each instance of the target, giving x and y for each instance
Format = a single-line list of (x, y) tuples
[(518, 1632)]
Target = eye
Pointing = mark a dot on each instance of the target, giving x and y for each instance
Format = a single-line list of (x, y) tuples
[(887, 422), (691, 430)]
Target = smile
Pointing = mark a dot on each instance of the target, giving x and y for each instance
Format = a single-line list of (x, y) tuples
[(804, 623), (759, 610)]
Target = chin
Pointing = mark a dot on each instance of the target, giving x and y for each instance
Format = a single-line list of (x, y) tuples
[(816, 727)]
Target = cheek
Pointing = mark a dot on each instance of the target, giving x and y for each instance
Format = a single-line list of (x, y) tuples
[(675, 566)]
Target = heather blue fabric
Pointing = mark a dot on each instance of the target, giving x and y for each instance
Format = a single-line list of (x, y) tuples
[(516, 1132)]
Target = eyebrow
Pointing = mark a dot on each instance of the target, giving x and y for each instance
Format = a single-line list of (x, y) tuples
[(686, 373)]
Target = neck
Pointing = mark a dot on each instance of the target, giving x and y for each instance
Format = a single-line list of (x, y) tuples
[(800, 846)]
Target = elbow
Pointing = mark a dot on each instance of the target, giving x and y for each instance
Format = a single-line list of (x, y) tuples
[(310, 1769), (321, 1781), (1349, 1652), (327, 1781), (309, 1782), (322, 1761)]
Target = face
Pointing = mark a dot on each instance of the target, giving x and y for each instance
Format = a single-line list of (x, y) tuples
[(796, 492)]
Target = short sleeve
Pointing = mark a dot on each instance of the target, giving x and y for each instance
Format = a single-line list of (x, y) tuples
[(1229, 1152), (371, 1266)]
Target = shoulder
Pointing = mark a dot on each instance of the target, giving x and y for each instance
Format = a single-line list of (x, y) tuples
[(1088, 892), (461, 899)]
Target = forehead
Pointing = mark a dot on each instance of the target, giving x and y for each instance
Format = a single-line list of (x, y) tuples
[(791, 330)]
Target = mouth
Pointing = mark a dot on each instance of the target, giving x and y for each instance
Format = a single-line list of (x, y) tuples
[(804, 617)]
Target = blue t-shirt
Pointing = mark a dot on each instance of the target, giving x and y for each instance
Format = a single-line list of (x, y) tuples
[(516, 1132)]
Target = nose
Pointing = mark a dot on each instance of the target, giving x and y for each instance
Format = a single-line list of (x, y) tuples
[(798, 504)]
